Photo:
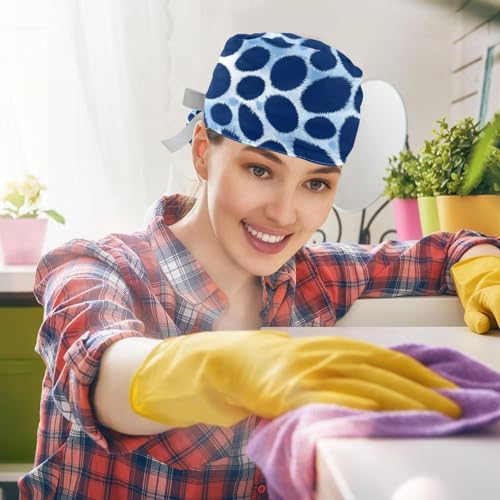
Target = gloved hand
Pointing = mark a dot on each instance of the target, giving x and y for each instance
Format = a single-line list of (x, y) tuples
[(477, 281), (219, 378)]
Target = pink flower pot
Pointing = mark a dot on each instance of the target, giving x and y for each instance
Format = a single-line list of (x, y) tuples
[(21, 240), (407, 219)]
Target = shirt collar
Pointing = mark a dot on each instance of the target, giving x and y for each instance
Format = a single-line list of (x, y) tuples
[(286, 273)]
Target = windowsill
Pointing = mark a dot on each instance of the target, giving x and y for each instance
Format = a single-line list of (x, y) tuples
[(17, 279)]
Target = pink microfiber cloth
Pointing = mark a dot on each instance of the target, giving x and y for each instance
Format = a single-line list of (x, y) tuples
[(285, 448)]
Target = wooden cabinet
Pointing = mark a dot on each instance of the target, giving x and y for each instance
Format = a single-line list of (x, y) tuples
[(21, 373)]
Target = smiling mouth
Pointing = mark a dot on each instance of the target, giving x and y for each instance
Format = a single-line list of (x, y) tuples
[(265, 237)]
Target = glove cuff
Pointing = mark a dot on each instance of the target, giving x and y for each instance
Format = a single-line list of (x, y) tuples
[(468, 273)]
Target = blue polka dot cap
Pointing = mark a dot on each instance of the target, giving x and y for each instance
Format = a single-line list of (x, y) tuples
[(282, 92)]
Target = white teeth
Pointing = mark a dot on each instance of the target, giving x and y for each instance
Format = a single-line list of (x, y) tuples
[(268, 238)]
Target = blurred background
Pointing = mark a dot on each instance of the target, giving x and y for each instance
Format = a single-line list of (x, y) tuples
[(89, 88)]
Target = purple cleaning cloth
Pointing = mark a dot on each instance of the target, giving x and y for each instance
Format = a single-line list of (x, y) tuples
[(285, 448)]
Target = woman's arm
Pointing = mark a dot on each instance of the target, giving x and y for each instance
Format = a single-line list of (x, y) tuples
[(481, 250), (94, 298), (111, 392), (389, 269), (423, 267)]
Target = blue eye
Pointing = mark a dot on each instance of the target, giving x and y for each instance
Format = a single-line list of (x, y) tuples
[(318, 185), (258, 171)]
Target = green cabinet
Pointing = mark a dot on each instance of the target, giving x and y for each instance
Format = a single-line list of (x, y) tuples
[(21, 374)]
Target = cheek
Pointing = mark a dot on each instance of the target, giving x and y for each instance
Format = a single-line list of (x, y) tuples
[(228, 198), (317, 213)]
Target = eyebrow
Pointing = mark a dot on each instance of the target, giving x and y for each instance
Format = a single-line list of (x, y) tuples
[(265, 153), (327, 170), (273, 157)]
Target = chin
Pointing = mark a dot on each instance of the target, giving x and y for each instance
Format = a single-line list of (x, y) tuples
[(265, 269)]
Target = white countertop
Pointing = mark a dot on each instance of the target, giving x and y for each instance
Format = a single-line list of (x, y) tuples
[(17, 279), (10, 473), (462, 467)]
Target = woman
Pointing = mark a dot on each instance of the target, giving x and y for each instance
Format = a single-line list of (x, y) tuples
[(134, 407)]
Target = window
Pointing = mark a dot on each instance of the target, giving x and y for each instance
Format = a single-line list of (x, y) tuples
[(23, 88)]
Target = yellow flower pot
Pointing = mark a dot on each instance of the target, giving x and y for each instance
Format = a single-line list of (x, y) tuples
[(480, 212)]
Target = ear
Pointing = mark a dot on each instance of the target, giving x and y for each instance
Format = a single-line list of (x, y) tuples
[(199, 150)]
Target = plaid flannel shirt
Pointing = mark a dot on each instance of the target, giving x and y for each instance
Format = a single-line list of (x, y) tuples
[(96, 293)]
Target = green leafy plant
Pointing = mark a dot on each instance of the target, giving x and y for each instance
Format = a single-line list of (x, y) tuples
[(459, 160), (445, 161), (400, 181), (21, 200), (483, 174)]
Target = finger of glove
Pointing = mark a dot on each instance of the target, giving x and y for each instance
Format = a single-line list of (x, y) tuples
[(483, 310), (390, 399), (337, 352), (383, 376), (356, 394), (330, 397), (477, 321)]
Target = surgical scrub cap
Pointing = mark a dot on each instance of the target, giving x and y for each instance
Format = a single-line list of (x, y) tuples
[(281, 92)]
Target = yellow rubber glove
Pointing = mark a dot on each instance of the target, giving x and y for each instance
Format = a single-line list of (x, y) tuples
[(477, 281), (219, 378)]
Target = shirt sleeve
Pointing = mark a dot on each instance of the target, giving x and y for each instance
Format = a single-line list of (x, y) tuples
[(89, 303), (393, 268)]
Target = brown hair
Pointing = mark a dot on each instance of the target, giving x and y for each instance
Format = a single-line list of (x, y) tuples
[(214, 137)]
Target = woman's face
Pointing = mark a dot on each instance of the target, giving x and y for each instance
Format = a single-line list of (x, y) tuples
[(264, 206)]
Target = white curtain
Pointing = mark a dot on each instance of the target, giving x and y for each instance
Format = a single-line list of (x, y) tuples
[(109, 79), (23, 88)]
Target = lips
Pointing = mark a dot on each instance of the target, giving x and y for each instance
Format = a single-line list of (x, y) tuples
[(265, 236), (276, 243)]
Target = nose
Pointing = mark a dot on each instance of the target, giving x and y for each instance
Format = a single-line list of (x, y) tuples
[(281, 208)]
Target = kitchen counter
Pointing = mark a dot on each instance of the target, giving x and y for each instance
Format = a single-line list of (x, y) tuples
[(16, 286), (17, 279)]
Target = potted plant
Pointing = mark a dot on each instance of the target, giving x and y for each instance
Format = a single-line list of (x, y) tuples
[(461, 165), (400, 187), (427, 180), (22, 222)]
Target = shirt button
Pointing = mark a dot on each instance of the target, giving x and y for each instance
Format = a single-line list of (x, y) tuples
[(261, 489)]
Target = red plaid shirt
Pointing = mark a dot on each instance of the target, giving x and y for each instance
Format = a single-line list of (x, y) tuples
[(148, 284)]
